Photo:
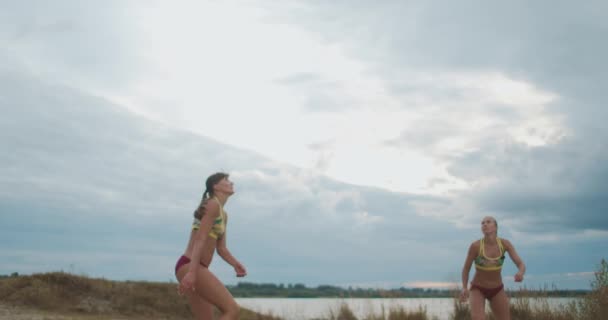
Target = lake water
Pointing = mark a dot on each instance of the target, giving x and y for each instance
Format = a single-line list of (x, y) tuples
[(311, 308)]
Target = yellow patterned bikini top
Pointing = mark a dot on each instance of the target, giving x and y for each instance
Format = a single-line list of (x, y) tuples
[(219, 224), (483, 262)]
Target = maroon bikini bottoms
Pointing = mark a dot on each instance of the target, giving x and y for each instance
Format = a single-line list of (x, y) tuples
[(184, 260), (489, 293)]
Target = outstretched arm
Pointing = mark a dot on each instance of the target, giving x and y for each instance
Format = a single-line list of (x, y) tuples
[(516, 259), (222, 251)]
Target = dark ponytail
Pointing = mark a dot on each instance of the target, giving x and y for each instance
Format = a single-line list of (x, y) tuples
[(212, 180), (198, 213)]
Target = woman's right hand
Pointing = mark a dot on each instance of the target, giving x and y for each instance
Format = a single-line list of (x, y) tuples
[(186, 286), (464, 295)]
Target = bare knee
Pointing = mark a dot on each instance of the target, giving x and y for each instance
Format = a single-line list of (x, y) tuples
[(478, 316), (478, 312), (477, 305), (500, 306)]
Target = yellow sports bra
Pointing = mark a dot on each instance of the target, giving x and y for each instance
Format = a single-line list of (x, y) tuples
[(482, 262), (219, 225)]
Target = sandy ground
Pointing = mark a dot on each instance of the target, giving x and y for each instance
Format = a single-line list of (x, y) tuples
[(12, 313), (16, 313)]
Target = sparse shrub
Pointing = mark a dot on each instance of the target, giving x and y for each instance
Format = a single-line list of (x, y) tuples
[(345, 313), (401, 313), (64, 293), (461, 310), (595, 304), (535, 305)]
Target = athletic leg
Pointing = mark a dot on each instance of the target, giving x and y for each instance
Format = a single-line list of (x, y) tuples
[(500, 306), (210, 289), (477, 303), (201, 309)]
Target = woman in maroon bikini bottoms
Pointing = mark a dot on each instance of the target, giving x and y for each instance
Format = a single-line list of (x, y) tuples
[(488, 254), (208, 235)]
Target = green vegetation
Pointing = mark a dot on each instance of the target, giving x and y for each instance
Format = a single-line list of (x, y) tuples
[(592, 306), (269, 290), (399, 313), (246, 289), (525, 305), (64, 296), (12, 275)]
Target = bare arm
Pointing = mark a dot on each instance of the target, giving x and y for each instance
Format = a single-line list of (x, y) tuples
[(212, 211), (222, 251), (521, 266), (466, 269)]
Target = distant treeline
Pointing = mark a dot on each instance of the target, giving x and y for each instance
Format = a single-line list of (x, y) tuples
[(247, 289), (12, 275), (271, 290)]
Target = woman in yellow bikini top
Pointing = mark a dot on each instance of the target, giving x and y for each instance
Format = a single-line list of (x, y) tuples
[(207, 238), (485, 263), (219, 224), (488, 254)]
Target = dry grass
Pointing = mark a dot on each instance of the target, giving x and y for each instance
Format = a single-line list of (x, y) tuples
[(525, 306), (593, 306), (59, 294), (62, 296), (396, 313)]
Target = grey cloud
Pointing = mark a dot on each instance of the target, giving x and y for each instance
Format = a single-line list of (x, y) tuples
[(324, 102), (319, 93), (128, 186), (562, 185), (86, 145), (310, 228), (438, 126), (73, 41), (553, 45), (424, 135), (73, 155), (300, 78), (561, 51), (122, 180)]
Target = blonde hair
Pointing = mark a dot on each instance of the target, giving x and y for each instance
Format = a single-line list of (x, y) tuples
[(495, 222)]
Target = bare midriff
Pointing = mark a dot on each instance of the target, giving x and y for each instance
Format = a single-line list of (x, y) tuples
[(208, 249), (487, 279)]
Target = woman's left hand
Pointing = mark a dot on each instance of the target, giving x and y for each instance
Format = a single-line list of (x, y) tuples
[(519, 277), (240, 270), (186, 286)]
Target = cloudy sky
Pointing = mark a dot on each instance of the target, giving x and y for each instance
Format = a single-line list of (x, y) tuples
[(366, 139)]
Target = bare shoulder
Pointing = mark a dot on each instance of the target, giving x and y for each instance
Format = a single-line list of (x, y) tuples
[(507, 244), (475, 245), (212, 207), (473, 249)]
